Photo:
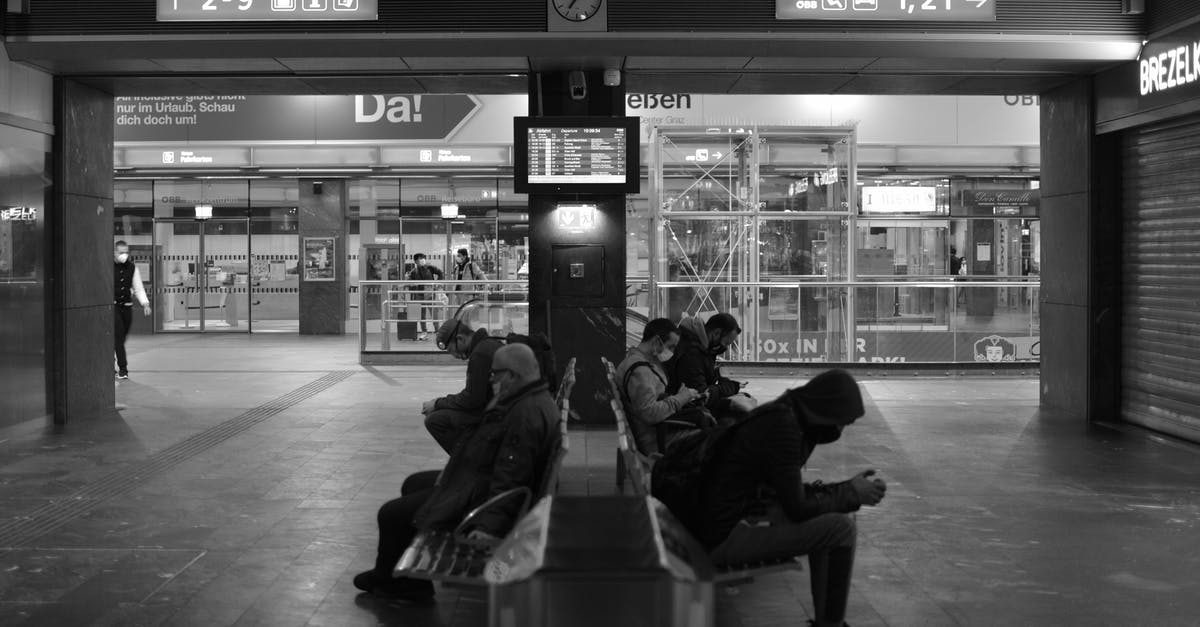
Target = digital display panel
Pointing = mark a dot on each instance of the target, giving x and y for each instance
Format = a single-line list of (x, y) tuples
[(581, 155), (266, 10), (898, 10)]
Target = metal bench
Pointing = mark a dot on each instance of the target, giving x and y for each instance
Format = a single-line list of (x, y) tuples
[(448, 556), (637, 467)]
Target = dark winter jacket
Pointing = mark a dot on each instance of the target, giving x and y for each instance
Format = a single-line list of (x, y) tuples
[(694, 366), (424, 273), (768, 449), (478, 390), (510, 448)]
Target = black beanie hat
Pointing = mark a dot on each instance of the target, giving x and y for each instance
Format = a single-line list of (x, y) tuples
[(832, 394)]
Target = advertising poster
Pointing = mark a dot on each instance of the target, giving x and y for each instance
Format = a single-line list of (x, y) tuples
[(319, 259), (901, 347)]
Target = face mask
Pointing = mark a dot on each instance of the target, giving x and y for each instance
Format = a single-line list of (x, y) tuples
[(823, 434), (665, 355), (717, 349), (122, 257)]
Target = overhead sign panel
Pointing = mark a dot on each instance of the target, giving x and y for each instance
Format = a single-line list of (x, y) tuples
[(266, 10), (896, 10)]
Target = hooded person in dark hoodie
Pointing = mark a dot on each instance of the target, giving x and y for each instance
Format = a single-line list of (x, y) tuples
[(768, 450)]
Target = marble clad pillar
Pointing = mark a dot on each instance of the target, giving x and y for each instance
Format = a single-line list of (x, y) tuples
[(323, 298), (80, 225)]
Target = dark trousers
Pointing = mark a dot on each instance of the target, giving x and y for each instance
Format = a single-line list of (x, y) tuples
[(396, 530), (828, 540), (447, 425), (122, 319)]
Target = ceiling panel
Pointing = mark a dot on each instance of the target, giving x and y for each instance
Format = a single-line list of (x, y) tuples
[(988, 85), (686, 63), (469, 64), (250, 85), (899, 84), (233, 66), (783, 83), (682, 82), (495, 84), (343, 85), (924, 65), (832, 64), (344, 64)]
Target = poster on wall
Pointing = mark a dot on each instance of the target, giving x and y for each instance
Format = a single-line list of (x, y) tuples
[(319, 264)]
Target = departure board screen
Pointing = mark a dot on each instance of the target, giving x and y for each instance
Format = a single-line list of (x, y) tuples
[(577, 154)]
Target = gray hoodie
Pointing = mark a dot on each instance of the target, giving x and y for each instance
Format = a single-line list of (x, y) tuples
[(645, 397)]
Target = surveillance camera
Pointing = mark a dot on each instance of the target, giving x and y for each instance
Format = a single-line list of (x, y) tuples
[(612, 78), (577, 82)]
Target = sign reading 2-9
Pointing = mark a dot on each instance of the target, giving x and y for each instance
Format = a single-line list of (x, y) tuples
[(266, 10), (902, 10)]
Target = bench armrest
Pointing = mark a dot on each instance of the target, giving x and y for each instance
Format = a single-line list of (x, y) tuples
[(459, 531)]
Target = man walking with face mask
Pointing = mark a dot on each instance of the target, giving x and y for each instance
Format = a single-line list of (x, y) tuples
[(448, 417), (127, 286)]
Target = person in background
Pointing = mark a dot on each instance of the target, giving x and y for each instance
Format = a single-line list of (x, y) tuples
[(510, 447), (422, 271), (465, 269), (450, 416), (644, 384), (127, 286)]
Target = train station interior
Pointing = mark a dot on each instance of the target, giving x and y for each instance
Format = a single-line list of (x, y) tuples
[(983, 210)]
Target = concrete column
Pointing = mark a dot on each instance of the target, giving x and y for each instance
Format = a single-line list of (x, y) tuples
[(80, 242), (322, 215), (1080, 294), (582, 326)]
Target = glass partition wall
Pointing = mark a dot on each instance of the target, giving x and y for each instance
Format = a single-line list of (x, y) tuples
[(822, 262)]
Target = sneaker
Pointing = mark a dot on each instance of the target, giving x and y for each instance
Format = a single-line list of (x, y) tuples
[(421, 337), (402, 589), (124, 374)]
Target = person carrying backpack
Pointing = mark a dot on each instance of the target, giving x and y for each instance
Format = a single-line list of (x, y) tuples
[(465, 269), (714, 481)]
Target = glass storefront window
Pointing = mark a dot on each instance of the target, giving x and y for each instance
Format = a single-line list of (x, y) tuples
[(802, 249), (804, 172), (915, 248)]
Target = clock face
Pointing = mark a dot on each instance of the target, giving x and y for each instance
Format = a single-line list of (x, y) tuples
[(577, 10)]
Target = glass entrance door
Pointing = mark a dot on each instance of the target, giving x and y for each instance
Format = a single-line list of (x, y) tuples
[(202, 278)]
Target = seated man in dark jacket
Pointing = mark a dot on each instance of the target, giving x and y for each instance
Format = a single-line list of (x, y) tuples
[(509, 448), (695, 362), (446, 418), (769, 449)]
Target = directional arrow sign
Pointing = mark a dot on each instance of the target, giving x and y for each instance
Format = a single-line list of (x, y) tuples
[(896, 10)]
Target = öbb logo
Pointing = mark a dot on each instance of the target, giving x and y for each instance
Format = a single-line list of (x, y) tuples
[(395, 109)]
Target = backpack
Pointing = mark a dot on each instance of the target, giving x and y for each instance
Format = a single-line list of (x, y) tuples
[(544, 353), (678, 479), (536, 341)]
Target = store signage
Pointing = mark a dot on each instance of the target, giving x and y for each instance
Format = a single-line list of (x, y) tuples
[(266, 10), (18, 214), (899, 199), (470, 155), (1003, 202), (241, 119), (1175, 66), (902, 10)]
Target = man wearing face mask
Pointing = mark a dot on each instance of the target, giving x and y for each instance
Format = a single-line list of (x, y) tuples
[(127, 286), (644, 384), (508, 448), (448, 417), (695, 362), (768, 450)]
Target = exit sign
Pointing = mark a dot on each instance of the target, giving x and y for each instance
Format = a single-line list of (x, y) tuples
[(896, 10), (266, 10)]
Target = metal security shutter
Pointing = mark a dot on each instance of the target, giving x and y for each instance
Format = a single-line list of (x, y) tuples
[(1160, 373)]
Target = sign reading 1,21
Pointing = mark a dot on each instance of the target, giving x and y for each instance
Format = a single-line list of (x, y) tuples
[(904, 10), (266, 10)]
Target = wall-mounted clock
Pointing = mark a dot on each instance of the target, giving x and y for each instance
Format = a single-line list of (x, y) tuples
[(577, 10), (576, 16)]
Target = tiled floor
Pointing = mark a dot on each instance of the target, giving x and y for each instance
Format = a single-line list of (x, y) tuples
[(240, 487)]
